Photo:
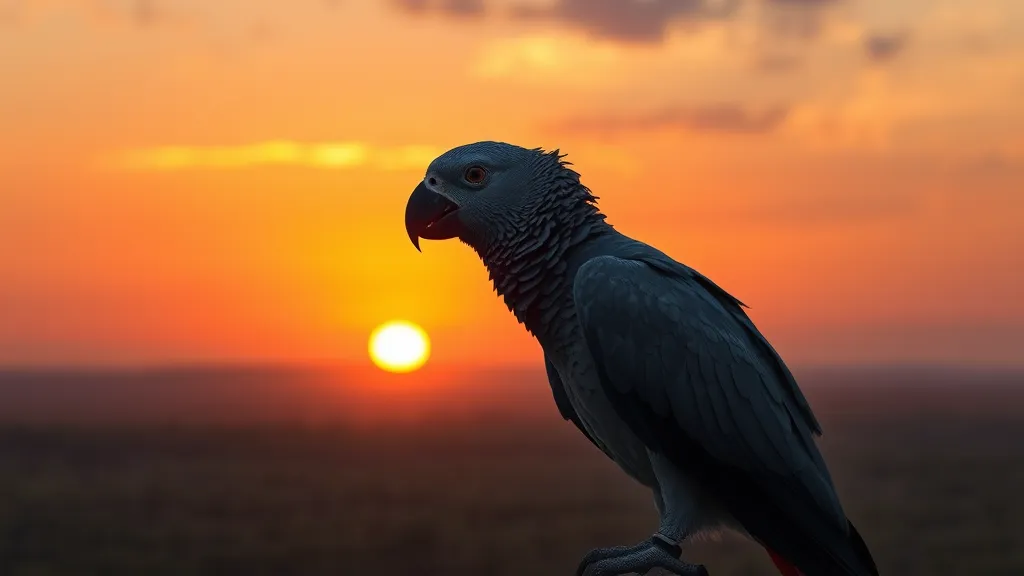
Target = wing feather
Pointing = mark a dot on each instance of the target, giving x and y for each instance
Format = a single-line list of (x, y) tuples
[(691, 376)]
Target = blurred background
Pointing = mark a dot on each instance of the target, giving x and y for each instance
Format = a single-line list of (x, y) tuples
[(201, 224)]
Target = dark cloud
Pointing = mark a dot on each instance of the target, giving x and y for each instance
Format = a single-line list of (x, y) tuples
[(465, 7), (728, 118), (884, 47), (415, 6), (142, 13), (639, 21), (145, 12), (622, 20), (630, 20), (790, 23), (803, 3), (448, 7), (797, 20)]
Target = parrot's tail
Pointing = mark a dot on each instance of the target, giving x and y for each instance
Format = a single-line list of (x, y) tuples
[(785, 568)]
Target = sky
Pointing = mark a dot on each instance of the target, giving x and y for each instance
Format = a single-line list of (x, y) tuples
[(195, 181)]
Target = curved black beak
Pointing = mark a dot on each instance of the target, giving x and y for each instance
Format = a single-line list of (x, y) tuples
[(430, 216)]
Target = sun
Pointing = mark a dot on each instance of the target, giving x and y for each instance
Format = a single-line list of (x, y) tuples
[(399, 346)]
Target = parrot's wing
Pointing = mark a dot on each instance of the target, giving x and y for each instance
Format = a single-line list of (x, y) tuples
[(562, 401), (690, 379)]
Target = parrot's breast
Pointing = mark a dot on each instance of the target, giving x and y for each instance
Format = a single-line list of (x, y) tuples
[(579, 376)]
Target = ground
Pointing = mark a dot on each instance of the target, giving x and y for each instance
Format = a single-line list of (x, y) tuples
[(932, 481)]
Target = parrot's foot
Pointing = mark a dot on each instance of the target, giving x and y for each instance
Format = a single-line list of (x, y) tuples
[(657, 552)]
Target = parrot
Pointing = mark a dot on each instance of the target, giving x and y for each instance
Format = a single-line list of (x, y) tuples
[(656, 365)]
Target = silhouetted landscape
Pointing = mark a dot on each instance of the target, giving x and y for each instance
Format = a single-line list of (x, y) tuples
[(282, 471)]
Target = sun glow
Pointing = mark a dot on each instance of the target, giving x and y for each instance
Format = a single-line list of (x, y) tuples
[(399, 346)]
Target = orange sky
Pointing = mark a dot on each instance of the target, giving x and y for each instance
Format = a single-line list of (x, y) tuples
[(187, 180)]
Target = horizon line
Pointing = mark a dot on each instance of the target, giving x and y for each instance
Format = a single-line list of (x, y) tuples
[(296, 365)]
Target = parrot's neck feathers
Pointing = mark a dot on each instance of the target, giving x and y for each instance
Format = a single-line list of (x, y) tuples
[(529, 260)]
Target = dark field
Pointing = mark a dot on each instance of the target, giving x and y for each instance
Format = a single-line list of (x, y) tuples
[(930, 467)]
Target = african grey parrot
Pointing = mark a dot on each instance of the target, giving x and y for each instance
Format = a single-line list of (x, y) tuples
[(657, 366)]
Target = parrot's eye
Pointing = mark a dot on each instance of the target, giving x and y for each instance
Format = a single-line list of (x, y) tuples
[(475, 174)]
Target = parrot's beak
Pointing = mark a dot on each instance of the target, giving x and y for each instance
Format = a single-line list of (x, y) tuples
[(430, 216)]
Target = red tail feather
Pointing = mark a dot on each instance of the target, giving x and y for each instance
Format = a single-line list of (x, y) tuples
[(785, 568)]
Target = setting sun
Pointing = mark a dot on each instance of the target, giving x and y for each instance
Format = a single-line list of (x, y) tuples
[(399, 346)]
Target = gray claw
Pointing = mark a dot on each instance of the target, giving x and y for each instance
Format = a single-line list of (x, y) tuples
[(599, 554), (638, 559)]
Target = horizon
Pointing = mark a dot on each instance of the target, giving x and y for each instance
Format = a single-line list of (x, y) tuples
[(360, 396), (463, 367)]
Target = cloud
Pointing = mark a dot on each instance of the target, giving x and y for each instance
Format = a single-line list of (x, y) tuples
[(637, 21), (795, 19), (803, 3), (145, 12), (850, 208), (633, 21), (448, 7), (465, 7), (722, 117), (327, 155), (777, 63), (629, 20), (884, 47), (142, 13)]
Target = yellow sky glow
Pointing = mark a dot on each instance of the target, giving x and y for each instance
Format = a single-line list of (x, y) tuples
[(329, 155)]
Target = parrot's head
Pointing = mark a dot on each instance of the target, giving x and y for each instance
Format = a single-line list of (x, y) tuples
[(482, 192)]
